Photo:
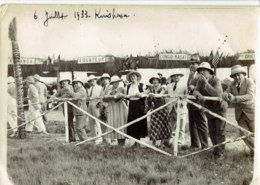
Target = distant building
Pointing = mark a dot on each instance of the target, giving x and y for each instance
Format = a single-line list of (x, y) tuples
[(27, 61), (95, 59)]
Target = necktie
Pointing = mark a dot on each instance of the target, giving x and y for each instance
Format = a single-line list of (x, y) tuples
[(238, 87), (91, 91), (175, 86)]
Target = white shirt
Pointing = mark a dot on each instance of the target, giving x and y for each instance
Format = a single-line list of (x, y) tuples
[(94, 92), (181, 89)]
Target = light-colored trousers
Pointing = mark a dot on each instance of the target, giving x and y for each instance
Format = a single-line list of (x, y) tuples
[(38, 123), (183, 121), (94, 126), (12, 113)]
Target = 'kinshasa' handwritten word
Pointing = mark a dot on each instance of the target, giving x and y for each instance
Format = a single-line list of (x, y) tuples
[(109, 14)]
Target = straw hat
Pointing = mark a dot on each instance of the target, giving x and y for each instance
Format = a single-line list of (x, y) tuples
[(30, 80), (139, 76), (177, 74), (64, 79), (77, 80), (155, 77), (205, 65), (115, 79), (92, 77), (37, 77), (10, 79), (237, 69), (105, 75)]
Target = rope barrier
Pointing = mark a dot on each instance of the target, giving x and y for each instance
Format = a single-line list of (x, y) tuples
[(128, 124), (36, 117), (119, 132), (218, 116), (28, 122), (214, 146)]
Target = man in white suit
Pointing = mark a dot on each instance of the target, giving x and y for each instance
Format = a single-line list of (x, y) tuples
[(177, 88), (94, 100)]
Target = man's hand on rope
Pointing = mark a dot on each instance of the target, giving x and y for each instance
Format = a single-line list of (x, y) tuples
[(229, 97)]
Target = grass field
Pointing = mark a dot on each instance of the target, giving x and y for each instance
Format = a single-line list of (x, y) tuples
[(47, 160)]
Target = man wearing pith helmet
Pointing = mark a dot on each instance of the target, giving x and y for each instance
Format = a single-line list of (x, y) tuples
[(80, 95), (63, 93), (177, 88), (209, 85), (198, 123), (241, 93), (42, 90), (34, 107), (94, 101), (105, 83)]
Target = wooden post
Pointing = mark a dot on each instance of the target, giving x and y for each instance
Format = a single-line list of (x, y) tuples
[(66, 122), (177, 131)]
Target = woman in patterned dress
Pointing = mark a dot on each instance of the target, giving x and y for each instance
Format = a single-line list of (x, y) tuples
[(160, 128), (117, 109)]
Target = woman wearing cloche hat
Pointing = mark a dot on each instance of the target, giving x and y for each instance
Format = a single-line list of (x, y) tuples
[(116, 109), (160, 128), (241, 93)]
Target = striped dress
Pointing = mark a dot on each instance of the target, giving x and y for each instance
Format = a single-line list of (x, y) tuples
[(117, 113)]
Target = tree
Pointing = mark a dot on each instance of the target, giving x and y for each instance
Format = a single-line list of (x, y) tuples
[(18, 77)]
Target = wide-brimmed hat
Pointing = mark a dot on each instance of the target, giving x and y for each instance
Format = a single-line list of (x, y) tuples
[(30, 80), (177, 74), (64, 79), (139, 76), (205, 65), (155, 77), (237, 69), (77, 80), (92, 77), (114, 79), (37, 77), (10, 79), (105, 75)]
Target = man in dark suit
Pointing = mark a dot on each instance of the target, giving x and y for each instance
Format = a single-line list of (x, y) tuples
[(209, 85), (197, 119), (241, 93)]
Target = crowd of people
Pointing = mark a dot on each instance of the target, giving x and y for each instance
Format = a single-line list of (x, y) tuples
[(117, 104)]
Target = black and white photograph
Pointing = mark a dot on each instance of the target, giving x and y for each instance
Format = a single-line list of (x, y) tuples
[(128, 94)]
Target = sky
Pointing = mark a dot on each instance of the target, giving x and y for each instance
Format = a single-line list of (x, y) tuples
[(148, 29)]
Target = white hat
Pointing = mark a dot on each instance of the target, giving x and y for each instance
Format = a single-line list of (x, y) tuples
[(92, 77), (64, 79), (155, 77), (177, 74), (30, 79), (10, 79), (77, 80), (133, 72), (37, 77), (205, 65), (115, 79), (237, 69), (105, 75)]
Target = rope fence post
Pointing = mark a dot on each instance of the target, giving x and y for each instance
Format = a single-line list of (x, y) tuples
[(66, 122), (177, 131)]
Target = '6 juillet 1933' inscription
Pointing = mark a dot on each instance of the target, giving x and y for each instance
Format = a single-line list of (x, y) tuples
[(78, 15)]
